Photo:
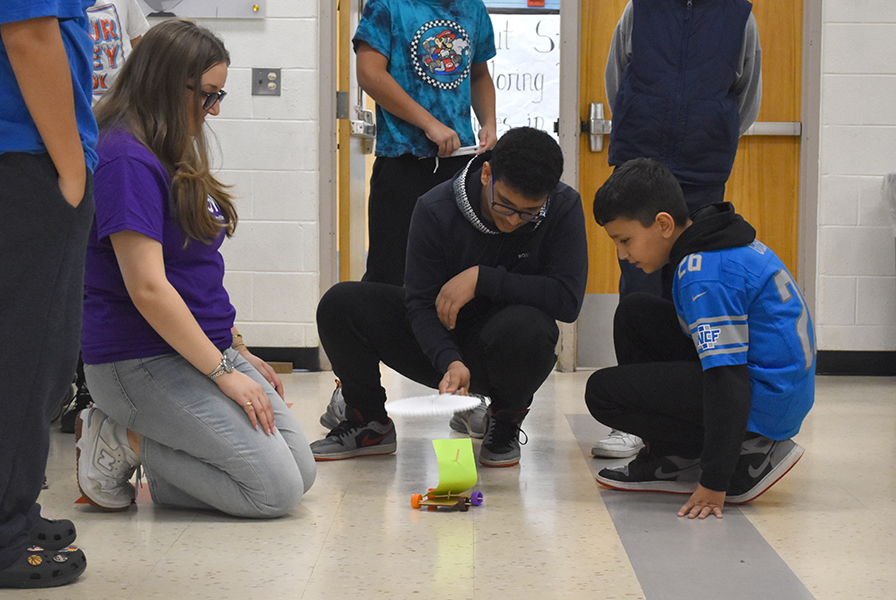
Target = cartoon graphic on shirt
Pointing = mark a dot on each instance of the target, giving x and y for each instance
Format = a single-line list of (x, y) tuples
[(442, 54)]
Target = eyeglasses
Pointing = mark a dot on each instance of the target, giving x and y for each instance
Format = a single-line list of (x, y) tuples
[(507, 211), (211, 98)]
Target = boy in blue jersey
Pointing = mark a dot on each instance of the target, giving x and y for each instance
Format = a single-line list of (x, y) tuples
[(718, 382), (47, 139)]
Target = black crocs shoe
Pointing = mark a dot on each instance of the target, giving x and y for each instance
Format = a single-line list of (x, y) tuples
[(38, 567), (53, 535)]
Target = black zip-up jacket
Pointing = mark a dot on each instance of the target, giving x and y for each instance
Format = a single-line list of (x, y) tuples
[(543, 265)]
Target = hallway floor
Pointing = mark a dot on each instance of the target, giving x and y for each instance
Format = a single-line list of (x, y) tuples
[(546, 530)]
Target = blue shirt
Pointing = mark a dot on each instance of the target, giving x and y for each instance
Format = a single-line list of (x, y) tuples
[(18, 133), (431, 47), (741, 306)]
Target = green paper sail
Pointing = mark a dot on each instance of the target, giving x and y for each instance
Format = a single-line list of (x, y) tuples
[(457, 466)]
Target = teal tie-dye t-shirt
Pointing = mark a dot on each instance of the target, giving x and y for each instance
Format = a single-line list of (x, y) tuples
[(431, 47)]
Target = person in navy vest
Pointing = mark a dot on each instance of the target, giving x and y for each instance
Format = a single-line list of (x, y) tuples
[(684, 78), (685, 81)]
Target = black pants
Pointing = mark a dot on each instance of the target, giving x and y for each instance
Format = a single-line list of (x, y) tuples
[(510, 352), (656, 392), (659, 283), (395, 185), (42, 246)]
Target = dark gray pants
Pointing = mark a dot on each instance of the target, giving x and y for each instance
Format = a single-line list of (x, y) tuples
[(395, 185), (42, 247)]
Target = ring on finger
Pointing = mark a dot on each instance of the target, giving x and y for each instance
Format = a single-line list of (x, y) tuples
[(248, 404)]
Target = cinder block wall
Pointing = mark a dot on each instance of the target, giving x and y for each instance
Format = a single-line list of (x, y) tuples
[(856, 283)]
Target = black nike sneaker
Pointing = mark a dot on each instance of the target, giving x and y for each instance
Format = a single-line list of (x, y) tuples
[(350, 439), (763, 461), (653, 473)]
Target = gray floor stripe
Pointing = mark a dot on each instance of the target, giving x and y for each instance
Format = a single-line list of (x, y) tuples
[(683, 559)]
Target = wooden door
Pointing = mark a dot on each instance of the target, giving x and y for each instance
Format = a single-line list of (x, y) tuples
[(764, 182)]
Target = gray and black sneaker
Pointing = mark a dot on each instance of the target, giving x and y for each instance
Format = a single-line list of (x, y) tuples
[(763, 461), (350, 439), (335, 413), (653, 473), (471, 422), (501, 443)]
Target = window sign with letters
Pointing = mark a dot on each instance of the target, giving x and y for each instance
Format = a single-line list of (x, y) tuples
[(526, 71)]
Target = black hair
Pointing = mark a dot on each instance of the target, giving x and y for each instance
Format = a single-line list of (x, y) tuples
[(527, 160), (639, 190)]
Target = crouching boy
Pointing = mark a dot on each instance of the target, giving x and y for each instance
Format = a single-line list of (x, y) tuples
[(495, 257), (717, 404)]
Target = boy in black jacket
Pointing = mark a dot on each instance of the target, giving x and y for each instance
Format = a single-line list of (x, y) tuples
[(495, 257), (718, 382)]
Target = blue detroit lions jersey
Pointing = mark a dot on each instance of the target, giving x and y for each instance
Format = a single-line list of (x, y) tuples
[(432, 47), (742, 306)]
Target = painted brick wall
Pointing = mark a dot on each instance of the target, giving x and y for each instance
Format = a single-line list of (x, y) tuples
[(269, 153), (856, 293)]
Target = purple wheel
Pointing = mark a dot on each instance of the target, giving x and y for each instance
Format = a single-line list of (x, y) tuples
[(476, 498)]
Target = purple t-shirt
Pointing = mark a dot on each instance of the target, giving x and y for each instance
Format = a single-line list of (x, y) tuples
[(132, 193)]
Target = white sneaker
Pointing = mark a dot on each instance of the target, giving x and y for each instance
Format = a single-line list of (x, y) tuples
[(617, 445), (105, 461), (473, 421), (335, 413)]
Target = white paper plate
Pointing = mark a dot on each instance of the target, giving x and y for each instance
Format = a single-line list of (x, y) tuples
[(434, 404)]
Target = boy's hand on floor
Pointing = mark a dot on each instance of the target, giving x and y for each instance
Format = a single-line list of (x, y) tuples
[(702, 503)]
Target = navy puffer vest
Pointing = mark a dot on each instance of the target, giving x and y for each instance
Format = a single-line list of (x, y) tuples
[(675, 102)]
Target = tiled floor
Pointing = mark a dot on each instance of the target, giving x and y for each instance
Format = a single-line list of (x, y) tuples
[(546, 530)]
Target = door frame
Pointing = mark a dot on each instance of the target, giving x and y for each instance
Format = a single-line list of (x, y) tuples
[(570, 35), (810, 109)]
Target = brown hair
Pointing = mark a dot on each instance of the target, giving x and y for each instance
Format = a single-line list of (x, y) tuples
[(147, 100)]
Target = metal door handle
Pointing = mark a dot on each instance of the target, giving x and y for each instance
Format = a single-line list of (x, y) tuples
[(596, 127), (365, 126), (365, 129)]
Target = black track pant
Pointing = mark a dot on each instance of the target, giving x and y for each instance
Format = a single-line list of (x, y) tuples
[(395, 185), (510, 351), (42, 247), (656, 392)]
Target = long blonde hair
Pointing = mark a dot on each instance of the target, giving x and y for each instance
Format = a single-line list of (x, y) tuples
[(147, 100)]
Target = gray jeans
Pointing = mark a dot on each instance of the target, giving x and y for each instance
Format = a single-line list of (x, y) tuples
[(199, 449)]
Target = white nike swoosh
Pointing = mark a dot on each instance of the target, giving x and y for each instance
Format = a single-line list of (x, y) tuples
[(697, 296)]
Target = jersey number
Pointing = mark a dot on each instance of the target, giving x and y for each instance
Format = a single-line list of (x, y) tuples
[(694, 263), (784, 282)]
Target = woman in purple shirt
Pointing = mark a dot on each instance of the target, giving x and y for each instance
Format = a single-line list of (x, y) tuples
[(175, 388)]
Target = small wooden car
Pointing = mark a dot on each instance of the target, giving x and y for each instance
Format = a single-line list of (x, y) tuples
[(461, 502), (457, 475)]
